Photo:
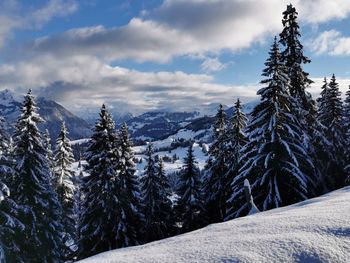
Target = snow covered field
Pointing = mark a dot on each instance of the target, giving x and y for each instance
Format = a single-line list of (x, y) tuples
[(316, 230)]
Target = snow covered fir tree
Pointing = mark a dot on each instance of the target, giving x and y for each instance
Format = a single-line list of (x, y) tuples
[(33, 190), (64, 200), (155, 191), (63, 183), (215, 181), (190, 208)]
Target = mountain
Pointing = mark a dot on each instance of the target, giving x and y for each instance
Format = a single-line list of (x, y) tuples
[(316, 230), (158, 125), (52, 113)]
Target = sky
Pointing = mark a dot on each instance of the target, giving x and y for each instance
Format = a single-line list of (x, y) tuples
[(177, 55)]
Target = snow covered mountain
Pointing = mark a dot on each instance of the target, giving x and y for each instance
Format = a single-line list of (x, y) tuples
[(158, 125), (316, 230), (52, 112)]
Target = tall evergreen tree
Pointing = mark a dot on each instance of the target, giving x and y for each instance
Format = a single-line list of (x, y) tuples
[(10, 227), (237, 139), (42, 238), (100, 206), (190, 204), (304, 107), (325, 154), (274, 160), (109, 209), (63, 159), (156, 202), (347, 134), (215, 181), (129, 229), (331, 115)]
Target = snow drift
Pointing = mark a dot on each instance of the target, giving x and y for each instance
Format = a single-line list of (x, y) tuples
[(316, 230)]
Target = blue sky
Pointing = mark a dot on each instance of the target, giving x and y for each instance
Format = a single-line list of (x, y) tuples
[(147, 55)]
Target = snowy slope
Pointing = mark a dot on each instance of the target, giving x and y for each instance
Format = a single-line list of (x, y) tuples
[(317, 230)]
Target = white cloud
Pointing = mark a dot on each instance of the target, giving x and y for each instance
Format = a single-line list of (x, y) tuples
[(74, 66), (83, 81), (188, 27), (330, 42), (14, 16)]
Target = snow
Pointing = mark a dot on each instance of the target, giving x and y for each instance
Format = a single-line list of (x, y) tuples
[(316, 230)]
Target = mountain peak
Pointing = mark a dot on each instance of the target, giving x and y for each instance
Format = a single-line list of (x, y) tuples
[(6, 97)]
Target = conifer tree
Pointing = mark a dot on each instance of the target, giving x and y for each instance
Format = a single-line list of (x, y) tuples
[(109, 209), (155, 195), (237, 139), (304, 107), (62, 180), (132, 219), (10, 227), (100, 206), (215, 181), (190, 204), (331, 115), (347, 134), (42, 237), (274, 160)]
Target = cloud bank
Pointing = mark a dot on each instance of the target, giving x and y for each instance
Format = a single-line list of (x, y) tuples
[(75, 67)]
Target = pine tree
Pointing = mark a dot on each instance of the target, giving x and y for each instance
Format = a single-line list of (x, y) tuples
[(215, 182), (237, 139), (274, 160), (332, 117), (156, 202), (190, 204), (10, 227), (130, 222), (109, 209), (62, 180), (347, 133), (100, 206), (304, 107), (42, 238)]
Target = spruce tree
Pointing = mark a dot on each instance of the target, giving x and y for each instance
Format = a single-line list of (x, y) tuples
[(215, 181), (190, 207), (129, 225), (237, 139), (304, 107), (332, 117), (156, 202), (42, 238), (100, 206), (109, 209), (62, 180), (10, 227), (347, 134), (274, 160)]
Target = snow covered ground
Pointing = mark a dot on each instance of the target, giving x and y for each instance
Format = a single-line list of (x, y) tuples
[(317, 230)]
